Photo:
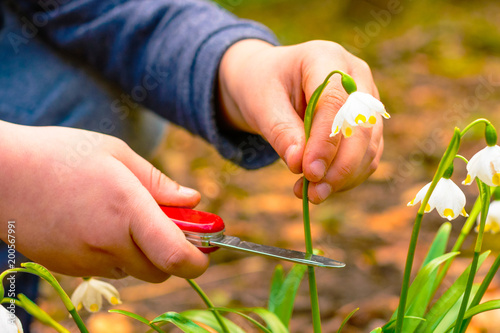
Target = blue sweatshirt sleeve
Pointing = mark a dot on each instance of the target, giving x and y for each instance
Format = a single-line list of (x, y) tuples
[(164, 53)]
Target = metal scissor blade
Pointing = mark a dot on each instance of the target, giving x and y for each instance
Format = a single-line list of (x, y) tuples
[(235, 243)]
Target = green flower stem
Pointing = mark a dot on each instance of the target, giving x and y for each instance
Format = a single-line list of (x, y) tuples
[(313, 290), (209, 304), (444, 164), (474, 123), (485, 203), (406, 276), (349, 86)]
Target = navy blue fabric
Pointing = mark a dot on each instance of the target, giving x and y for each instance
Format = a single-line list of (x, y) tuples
[(164, 53)]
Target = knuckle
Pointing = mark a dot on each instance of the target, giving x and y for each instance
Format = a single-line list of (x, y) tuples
[(279, 133), (333, 98), (371, 152), (156, 181), (362, 65), (345, 171), (117, 144), (324, 49)]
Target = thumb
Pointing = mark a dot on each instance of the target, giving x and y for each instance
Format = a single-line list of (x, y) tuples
[(164, 190)]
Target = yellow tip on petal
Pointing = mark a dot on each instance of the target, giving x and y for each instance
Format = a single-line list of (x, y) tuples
[(348, 132), (79, 307), (427, 208), (411, 203), (372, 120), (449, 213), (464, 213), (94, 308), (496, 179), (115, 301), (495, 227), (360, 119), (386, 115), (467, 180), (335, 132)]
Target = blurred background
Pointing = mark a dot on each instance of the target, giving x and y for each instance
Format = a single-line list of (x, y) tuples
[(437, 66)]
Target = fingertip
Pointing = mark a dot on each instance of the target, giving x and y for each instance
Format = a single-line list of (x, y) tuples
[(293, 158), (189, 263), (297, 188), (315, 171), (191, 196)]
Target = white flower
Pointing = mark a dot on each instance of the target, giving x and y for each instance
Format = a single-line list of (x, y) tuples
[(447, 198), (90, 292), (9, 323), (360, 109), (492, 220), (485, 165)]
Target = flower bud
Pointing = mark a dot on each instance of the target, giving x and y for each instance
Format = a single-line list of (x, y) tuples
[(491, 135), (348, 83), (449, 172)]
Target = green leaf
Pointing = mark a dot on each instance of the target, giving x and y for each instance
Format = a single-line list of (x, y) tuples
[(276, 283), (39, 270), (346, 319), (250, 319), (185, 324), (436, 249), (448, 299), (390, 327), (448, 322), (34, 310), (439, 243), (137, 317), (486, 306), (377, 330), (284, 290), (418, 293), (207, 317), (273, 322), (131, 315)]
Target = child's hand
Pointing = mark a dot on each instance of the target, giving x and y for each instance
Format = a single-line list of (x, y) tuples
[(265, 89), (85, 204)]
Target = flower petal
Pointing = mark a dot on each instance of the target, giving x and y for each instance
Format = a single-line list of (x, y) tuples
[(360, 109), (485, 165), (78, 294)]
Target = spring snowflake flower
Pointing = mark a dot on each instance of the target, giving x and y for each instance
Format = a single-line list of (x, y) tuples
[(9, 323), (447, 198), (360, 109), (492, 220), (485, 165), (90, 292)]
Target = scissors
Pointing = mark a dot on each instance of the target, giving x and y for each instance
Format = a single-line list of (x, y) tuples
[(206, 231)]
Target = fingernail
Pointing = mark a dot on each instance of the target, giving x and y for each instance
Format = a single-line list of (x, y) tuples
[(187, 191), (289, 152), (318, 168), (323, 190)]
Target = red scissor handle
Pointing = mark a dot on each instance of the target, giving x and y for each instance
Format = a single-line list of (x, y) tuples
[(196, 225)]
